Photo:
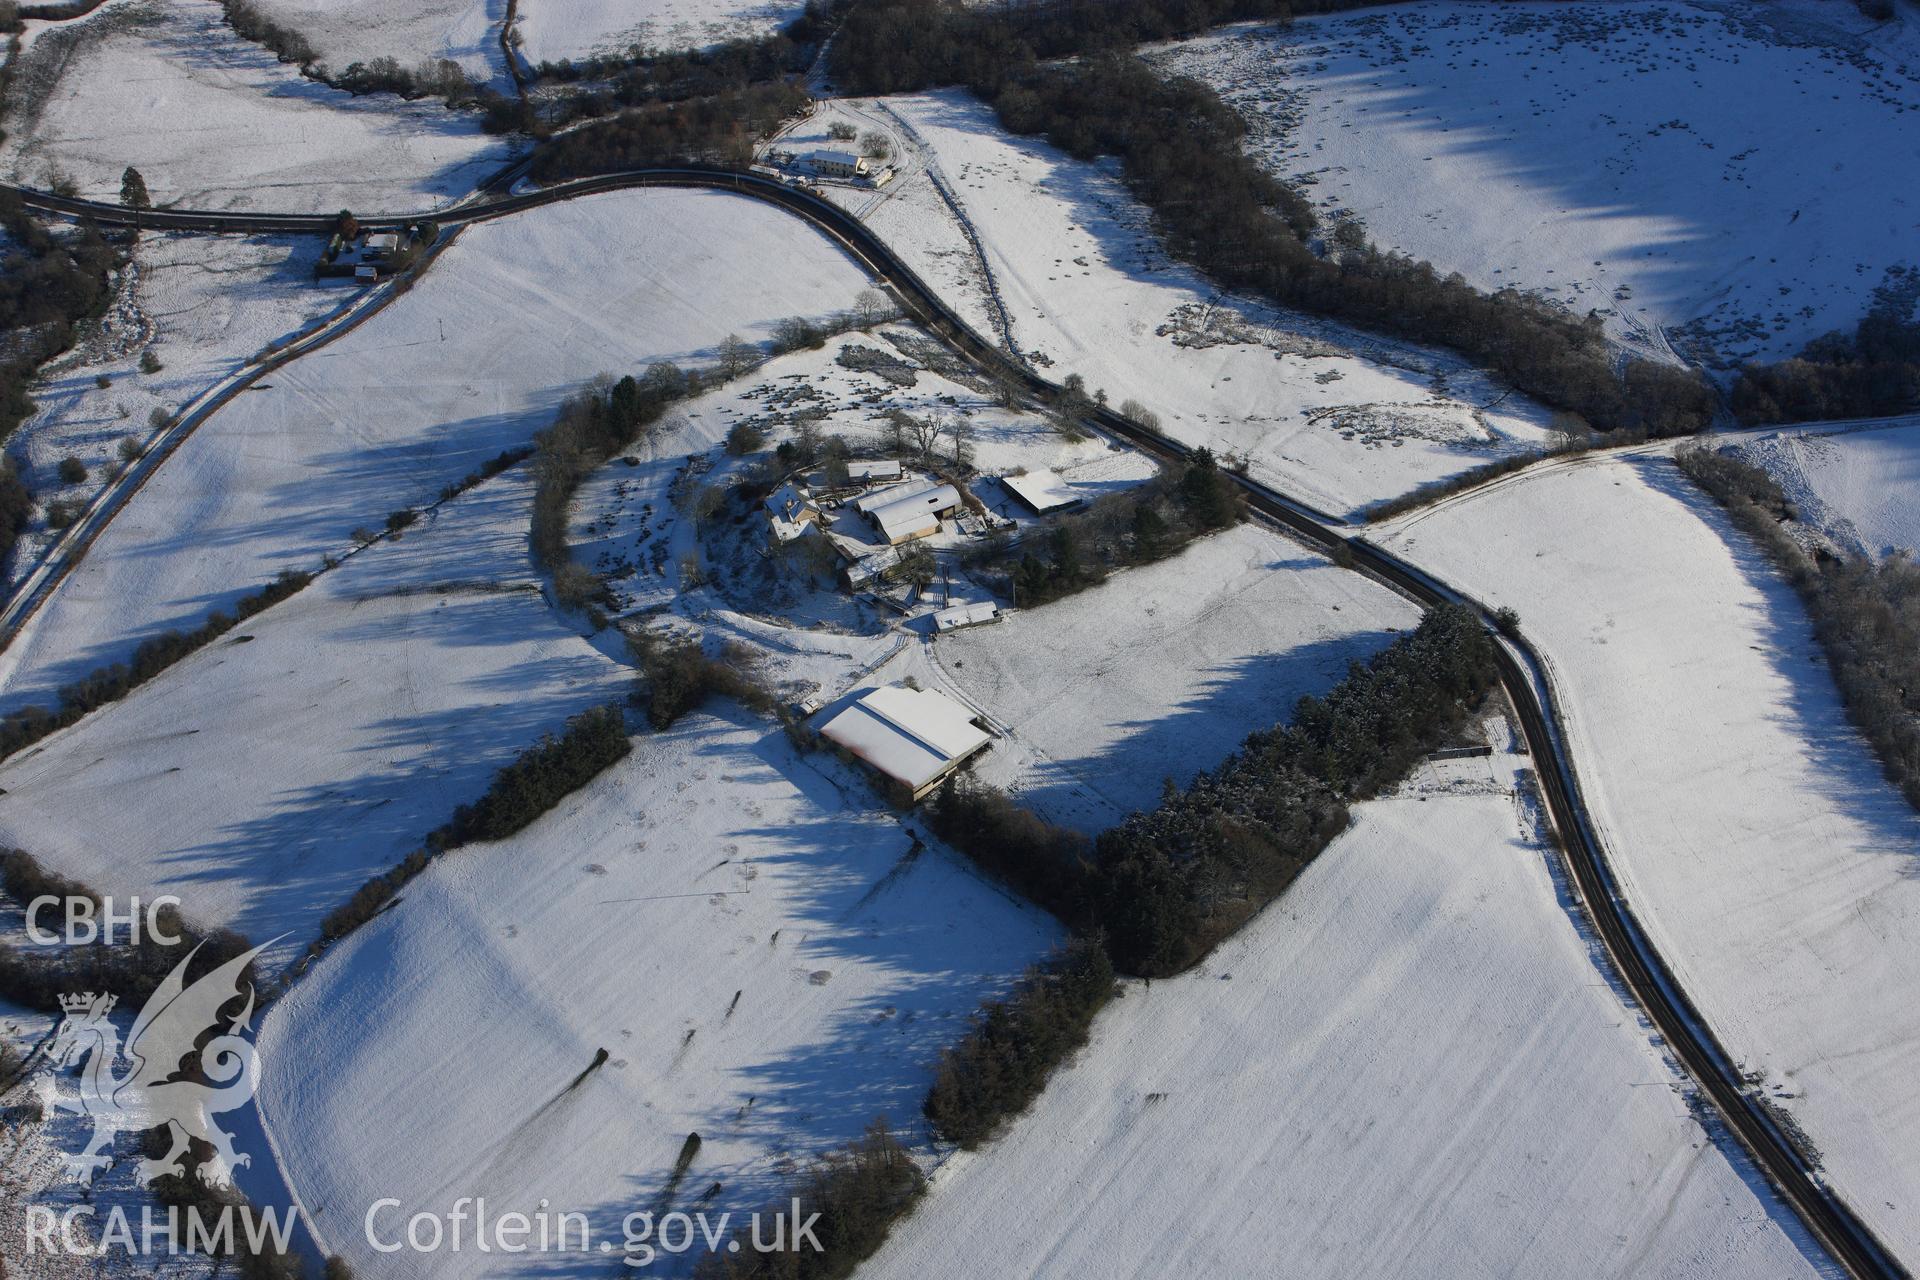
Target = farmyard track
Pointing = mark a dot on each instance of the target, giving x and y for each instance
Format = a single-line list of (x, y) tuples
[(1523, 675)]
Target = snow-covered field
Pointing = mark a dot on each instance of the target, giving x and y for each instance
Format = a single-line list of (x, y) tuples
[(1409, 1066), (1739, 171), (1159, 672), (348, 31), (1339, 418), (214, 122), (267, 777), (551, 30), (764, 962), (204, 305), (513, 317), (1754, 836), (1859, 487)]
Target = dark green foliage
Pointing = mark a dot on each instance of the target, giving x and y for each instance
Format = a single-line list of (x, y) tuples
[(676, 675), (401, 519), (1048, 864), (1874, 371), (36, 976), (719, 130), (1866, 616), (745, 438), (368, 900), (133, 190), (1000, 1067), (111, 683), (859, 1192), (486, 471), (250, 24), (1144, 524), (47, 283), (543, 775), (72, 470), (590, 429)]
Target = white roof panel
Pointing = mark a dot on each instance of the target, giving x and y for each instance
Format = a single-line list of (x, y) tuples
[(911, 735), (1042, 490)]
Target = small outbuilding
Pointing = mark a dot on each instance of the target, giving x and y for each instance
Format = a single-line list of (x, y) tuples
[(913, 738), (790, 509), (956, 616), (873, 470)]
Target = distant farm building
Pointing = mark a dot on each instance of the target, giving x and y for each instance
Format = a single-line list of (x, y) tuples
[(916, 515), (913, 738), (955, 617), (873, 470), (838, 164), (790, 509), (1041, 492)]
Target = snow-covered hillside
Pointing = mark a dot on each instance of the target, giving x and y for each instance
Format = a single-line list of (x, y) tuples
[(267, 777), (513, 317), (765, 960), (1737, 174), (1860, 487), (215, 122), (203, 305), (1339, 418), (1410, 1066), (1755, 837), (347, 31), (558, 29)]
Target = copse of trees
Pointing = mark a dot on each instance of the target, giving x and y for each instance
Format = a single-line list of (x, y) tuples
[(1147, 523), (859, 1192), (1872, 371), (1865, 615), (1003, 1062), (677, 675), (719, 129), (47, 283), (541, 776)]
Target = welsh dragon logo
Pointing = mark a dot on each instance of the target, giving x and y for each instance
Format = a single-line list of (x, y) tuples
[(158, 1087)]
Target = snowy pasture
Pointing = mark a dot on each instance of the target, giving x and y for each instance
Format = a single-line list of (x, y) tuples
[(1408, 1066), (204, 305), (762, 962), (1733, 178), (215, 122), (551, 30), (1159, 672), (1339, 418), (1859, 487), (1754, 836), (347, 31), (265, 778), (516, 315)]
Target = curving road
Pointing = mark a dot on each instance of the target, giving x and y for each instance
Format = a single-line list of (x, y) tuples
[(1522, 674)]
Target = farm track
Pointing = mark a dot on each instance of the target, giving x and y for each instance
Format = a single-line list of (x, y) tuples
[(1523, 674)]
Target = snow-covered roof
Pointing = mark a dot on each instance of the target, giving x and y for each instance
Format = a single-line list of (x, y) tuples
[(789, 501), (846, 158), (911, 735), (872, 469), (956, 616), (1042, 490), (893, 493), (916, 514)]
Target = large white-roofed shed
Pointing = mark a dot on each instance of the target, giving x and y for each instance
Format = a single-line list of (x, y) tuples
[(912, 737)]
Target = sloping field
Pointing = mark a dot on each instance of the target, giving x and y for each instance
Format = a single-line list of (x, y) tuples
[(515, 316), (1158, 673), (349, 31), (1739, 171), (1409, 1066), (1861, 488), (215, 122), (1339, 418), (1755, 838), (265, 778), (762, 962), (204, 305), (558, 29)]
